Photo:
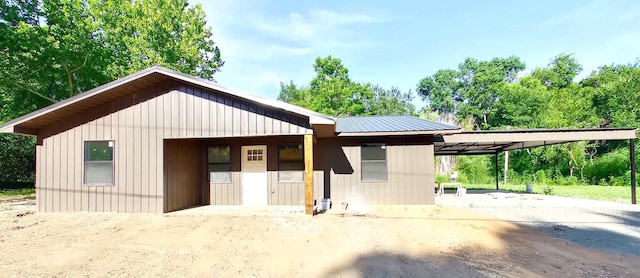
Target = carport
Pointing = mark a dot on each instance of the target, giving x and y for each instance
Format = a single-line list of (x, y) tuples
[(497, 141)]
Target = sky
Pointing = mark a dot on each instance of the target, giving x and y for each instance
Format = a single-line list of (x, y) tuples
[(397, 43)]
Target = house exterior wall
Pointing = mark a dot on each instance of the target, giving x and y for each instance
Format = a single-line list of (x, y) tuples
[(183, 177), (139, 123), (410, 166), (278, 193)]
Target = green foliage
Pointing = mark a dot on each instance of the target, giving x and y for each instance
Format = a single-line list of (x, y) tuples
[(390, 102), (560, 72), (548, 190), (520, 104), (86, 44), (442, 178), (332, 92), (472, 90), (19, 193), (17, 158), (55, 49), (613, 164), (475, 169)]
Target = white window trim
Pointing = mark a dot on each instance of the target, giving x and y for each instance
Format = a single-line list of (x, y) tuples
[(386, 163), (113, 164), (230, 164)]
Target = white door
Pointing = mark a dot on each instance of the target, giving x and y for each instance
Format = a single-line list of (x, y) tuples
[(254, 175)]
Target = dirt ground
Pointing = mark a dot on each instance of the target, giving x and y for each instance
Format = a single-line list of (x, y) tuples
[(392, 242)]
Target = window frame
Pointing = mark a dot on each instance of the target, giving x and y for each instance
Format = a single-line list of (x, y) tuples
[(85, 161), (230, 163), (298, 146), (363, 162)]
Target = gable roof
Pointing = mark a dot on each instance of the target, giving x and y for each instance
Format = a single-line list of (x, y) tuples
[(390, 125), (30, 123)]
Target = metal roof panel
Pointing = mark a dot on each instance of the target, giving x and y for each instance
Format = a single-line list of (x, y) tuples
[(402, 123)]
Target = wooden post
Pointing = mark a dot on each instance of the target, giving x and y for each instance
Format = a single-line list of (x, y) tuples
[(497, 173), (632, 158), (308, 174)]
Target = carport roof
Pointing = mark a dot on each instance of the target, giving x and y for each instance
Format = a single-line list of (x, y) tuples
[(495, 141)]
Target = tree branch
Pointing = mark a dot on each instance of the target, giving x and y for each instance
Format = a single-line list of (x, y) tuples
[(36, 93)]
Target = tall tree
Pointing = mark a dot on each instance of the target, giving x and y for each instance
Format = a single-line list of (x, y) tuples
[(442, 90), (470, 91), (560, 72), (616, 94), (58, 48), (390, 102), (331, 91), (54, 49)]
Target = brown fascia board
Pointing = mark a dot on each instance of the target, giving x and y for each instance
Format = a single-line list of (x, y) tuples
[(541, 135)]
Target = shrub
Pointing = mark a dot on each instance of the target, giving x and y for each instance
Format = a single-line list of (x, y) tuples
[(613, 164), (442, 178), (548, 190), (474, 169), (541, 177)]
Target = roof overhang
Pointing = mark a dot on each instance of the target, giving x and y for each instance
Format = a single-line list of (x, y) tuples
[(491, 142), (30, 124), (399, 133)]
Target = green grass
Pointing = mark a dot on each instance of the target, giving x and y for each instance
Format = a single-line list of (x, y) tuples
[(9, 194), (593, 192)]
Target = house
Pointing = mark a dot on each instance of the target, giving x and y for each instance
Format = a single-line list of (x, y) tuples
[(158, 141)]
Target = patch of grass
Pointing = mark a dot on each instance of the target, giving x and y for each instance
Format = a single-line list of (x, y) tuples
[(8, 194), (620, 194)]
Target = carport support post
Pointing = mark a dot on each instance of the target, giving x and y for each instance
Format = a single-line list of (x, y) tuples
[(497, 172), (632, 158), (308, 174)]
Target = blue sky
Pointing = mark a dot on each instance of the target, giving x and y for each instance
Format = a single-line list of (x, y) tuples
[(396, 43)]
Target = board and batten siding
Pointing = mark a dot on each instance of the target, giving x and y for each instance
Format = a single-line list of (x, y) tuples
[(410, 168), (183, 176), (138, 124), (278, 193)]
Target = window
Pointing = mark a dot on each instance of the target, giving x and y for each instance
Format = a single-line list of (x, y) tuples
[(374, 162), (219, 162), (254, 155), (98, 163), (290, 163)]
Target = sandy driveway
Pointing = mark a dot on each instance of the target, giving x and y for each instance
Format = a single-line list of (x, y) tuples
[(607, 226), (418, 242)]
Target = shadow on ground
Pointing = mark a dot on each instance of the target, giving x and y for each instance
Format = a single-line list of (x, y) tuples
[(525, 253), (399, 265)]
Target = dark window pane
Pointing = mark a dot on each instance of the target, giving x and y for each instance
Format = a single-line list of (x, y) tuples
[(290, 163), (219, 155), (374, 152), (98, 150)]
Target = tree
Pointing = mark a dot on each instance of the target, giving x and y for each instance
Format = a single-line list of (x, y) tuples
[(390, 102), (86, 44), (442, 90), (520, 105), (560, 72), (54, 49), (470, 91), (332, 92), (617, 94)]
